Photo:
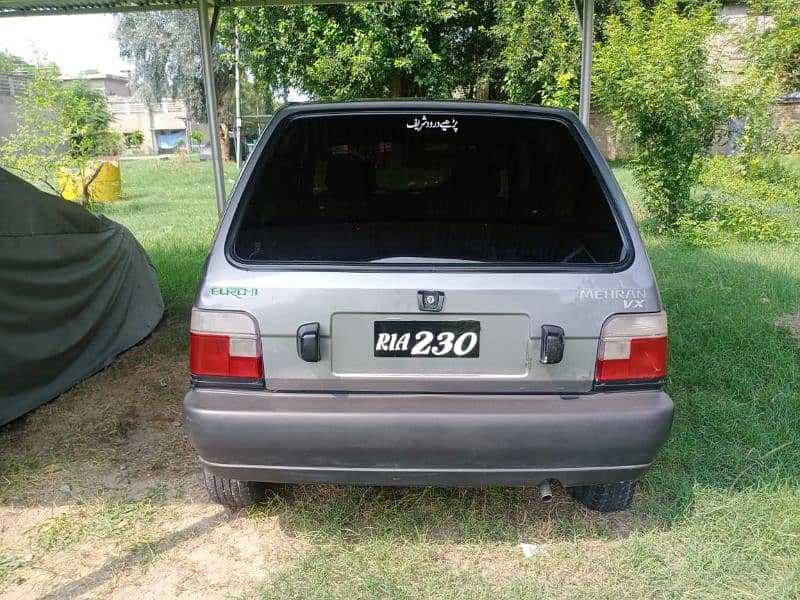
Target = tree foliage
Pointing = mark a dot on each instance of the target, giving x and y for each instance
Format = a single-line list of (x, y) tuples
[(775, 49), (164, 48), (59, 128), (655, 79), (427, 48), (489, 49), (540, 45), (87, 118)]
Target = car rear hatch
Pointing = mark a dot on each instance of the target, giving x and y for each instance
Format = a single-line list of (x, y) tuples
[(435, 250)]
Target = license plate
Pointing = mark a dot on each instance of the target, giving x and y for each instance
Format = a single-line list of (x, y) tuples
[(427, 339)]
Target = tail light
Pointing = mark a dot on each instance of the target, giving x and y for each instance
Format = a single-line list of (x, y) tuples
[(224, 344), (632, 348)]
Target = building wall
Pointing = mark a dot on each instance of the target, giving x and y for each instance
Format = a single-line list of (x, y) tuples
[(11, 86), (8, 122), (132, 115), (110, 85), (117, 87), (786, 115), (606, 136)]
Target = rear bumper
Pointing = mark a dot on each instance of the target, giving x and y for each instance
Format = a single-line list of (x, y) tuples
[(427, 439)]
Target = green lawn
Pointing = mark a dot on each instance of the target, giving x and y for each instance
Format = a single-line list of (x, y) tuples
[(718, 516)]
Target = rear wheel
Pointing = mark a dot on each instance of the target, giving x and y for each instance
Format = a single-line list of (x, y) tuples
[(232, 493), (606, 497)]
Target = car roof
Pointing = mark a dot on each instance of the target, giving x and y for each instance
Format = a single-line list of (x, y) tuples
[(420, 105)]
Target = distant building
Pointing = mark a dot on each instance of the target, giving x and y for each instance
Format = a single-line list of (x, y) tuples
[(110, 85), (11, 88), (163, 125), (736, 19)]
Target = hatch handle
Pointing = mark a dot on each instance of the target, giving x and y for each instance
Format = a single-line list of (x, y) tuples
[(308, 342), (552, 344)]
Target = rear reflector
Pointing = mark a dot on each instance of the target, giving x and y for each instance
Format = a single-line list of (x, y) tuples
[(224, 344), (632, 348)]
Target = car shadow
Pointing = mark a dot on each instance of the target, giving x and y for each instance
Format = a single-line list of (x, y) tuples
[(733, 376)]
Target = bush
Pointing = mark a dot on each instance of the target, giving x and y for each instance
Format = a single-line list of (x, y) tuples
[(134, 139), (655, 80), (747, 199), (59, 128), (776, 49)]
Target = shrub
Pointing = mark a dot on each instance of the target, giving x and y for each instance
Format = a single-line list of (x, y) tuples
[(59, 128), (655, 80), (134, 139), (747, 199)]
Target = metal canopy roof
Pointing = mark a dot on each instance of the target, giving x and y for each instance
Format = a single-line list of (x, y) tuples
[(29, 8)]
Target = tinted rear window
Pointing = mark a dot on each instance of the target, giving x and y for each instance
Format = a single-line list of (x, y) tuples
[(434, 188)]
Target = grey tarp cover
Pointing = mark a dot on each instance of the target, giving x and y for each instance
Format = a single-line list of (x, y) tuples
[(76, 289)]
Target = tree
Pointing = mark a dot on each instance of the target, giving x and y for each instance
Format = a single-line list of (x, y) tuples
[(59, 128), (88, 118), (427, 48), (526, 51), (541, 44), (164, 49), (655, 79), (36, 149)]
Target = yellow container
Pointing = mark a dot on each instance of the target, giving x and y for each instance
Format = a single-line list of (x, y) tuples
[(106, 187)]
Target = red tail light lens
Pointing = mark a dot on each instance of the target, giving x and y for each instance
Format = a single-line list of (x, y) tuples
[(632, 348), (224, 344)]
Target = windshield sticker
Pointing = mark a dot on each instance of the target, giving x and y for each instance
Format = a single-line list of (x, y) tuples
[(629, 298), (418, 124), (236, 292)]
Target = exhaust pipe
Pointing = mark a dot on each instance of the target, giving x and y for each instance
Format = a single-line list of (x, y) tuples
[(545, 494)]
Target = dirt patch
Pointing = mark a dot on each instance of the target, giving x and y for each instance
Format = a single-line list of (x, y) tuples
[(103, 437), (792, 323), (180, 551), (574, 565), (101, 496)]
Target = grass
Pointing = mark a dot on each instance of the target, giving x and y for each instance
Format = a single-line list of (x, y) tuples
[(10, 564), (717, 517), (169, 207), (98, 521)]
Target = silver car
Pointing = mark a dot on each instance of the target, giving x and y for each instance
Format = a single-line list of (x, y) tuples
[(427, 293)]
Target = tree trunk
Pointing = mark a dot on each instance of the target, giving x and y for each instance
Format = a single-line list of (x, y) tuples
[(223, 140), (86, 194), (396, 86)]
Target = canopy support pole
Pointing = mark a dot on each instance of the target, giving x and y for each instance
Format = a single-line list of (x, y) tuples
[(587, 39), (237, 93), (211, 105)]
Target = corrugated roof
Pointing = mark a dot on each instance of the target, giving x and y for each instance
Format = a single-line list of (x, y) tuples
[(23, 8)]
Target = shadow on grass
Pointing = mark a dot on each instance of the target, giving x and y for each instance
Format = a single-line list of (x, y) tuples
[(133, 558), (356, 514), (734, 377)]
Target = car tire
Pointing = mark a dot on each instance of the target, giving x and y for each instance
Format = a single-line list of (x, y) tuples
[(606, 497), (232, 493)]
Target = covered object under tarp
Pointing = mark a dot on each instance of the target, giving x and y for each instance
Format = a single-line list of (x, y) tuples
[(76, 289)]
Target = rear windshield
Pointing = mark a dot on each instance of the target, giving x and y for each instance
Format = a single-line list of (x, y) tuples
[(433, 188)]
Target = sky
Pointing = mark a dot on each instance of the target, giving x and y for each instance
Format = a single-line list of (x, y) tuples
[(75, 43)]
